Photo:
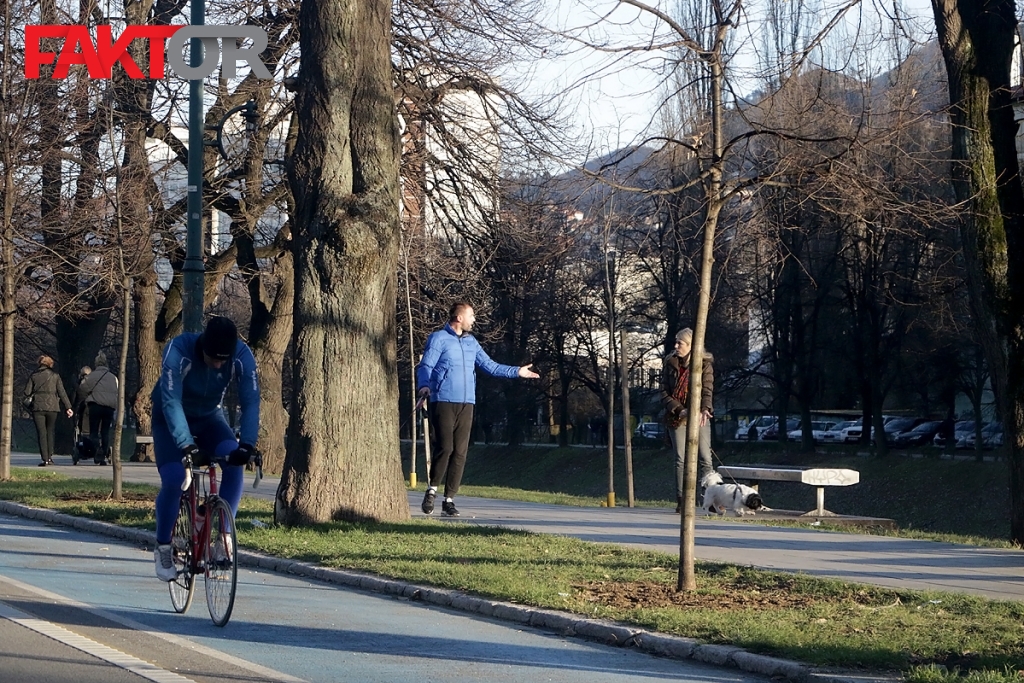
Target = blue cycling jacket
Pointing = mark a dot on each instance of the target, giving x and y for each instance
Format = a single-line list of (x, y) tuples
[(189, 388), (449, 366)]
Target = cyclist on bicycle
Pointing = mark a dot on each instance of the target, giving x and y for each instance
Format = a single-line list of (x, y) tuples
[(196, 372)]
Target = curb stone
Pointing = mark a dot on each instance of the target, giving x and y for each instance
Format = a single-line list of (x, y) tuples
[(562, 623)]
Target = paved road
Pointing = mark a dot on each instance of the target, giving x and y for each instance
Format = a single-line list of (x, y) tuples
[(106, 618), (893, 562)]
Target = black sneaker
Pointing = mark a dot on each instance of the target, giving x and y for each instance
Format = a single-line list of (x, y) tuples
[(448, 509), (428, 503)]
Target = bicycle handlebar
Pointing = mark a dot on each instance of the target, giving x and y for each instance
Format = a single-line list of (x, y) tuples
[(186, 461)]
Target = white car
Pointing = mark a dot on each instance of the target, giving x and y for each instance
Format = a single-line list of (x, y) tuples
[(760, 424), (835, 434), (818, 430), (650, 430), (852, 433)]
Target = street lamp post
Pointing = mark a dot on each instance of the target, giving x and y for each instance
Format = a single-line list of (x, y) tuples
[(609, 274), (193, 271)]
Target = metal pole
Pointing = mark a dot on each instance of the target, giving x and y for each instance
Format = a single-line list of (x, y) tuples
[(611, 378), (627, 432), (193, 277)]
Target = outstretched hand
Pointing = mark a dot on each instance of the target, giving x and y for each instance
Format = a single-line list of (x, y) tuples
[(526, 373)]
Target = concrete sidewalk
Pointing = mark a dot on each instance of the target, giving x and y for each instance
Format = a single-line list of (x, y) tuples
[(878, 560)]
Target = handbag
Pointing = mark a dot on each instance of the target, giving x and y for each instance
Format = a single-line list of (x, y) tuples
[(26, 403)]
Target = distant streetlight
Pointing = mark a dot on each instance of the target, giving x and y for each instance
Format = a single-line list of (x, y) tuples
[(252, 120), (193, 271)]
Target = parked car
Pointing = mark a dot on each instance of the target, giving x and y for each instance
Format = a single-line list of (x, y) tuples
[(918, 436), (772, 433), (898, 426), (760, 424), (835, 434), (818, 430), (991, 437), (650, 430), (852, 434), (960, 430)]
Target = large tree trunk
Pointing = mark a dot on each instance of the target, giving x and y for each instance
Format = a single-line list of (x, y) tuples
[(986, 178), (343, 459), (269, 351), (147, 352)]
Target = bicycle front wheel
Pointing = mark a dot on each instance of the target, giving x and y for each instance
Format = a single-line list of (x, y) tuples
[(221, 565), (183, 587)]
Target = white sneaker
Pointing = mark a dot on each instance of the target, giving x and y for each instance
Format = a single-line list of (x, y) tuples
[(163, 557), (220, 549)]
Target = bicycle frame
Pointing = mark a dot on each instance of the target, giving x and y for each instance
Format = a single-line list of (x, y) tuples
[(208, 484)]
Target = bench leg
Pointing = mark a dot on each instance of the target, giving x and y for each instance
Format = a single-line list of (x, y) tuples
[(821, 500)]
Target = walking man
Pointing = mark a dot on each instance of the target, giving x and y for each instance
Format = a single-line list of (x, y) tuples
[(447, 376)]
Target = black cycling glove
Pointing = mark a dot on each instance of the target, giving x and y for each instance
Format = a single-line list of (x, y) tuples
[(241, 455)]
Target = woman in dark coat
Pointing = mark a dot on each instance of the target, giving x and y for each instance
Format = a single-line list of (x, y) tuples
[(675, 385), (44, 393)]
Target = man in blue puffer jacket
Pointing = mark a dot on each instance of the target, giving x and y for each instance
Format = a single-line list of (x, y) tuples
[(447, 376)]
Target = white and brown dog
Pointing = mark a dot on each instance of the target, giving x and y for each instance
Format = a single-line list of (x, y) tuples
[(720, 497)]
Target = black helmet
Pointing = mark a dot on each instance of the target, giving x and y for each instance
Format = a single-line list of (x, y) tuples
[(219, 338)]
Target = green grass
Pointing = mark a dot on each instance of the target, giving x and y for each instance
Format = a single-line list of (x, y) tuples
[(819, 621), (938, 674)]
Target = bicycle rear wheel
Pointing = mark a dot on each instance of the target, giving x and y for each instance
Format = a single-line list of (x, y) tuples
[(183, 588), (221, 565)]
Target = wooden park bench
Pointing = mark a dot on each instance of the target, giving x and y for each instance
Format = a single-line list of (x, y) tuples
[(819, 477)]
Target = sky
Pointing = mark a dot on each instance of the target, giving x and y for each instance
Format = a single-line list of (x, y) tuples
[(614, 98)]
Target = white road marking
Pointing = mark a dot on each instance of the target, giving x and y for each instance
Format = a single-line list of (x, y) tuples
[(257, 669), (125, 661)]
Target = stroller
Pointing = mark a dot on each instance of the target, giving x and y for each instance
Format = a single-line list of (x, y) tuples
[(84, 448)]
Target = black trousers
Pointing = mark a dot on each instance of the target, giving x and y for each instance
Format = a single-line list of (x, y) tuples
[(46, 426), (100, 420), (450, 425)]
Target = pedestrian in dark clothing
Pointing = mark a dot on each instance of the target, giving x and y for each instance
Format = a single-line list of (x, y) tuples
[(99, 393), (947, 430), (447, 376), (675, 385), (80, 409), (44, 393)]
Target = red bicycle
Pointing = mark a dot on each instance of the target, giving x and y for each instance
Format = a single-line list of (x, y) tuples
[(204, 541)]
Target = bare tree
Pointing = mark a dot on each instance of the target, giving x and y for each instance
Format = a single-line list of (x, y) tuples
[(977, 43)]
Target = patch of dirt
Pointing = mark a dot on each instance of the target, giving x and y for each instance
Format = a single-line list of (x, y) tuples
[(646, 594), (128, 498)]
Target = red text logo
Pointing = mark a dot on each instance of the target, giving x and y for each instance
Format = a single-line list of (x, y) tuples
[(100, 56)]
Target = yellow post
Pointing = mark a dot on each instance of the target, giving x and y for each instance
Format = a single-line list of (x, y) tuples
[(611, 499), (412, 479)]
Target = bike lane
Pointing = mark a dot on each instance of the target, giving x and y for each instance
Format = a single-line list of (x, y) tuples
[(286, 629)]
